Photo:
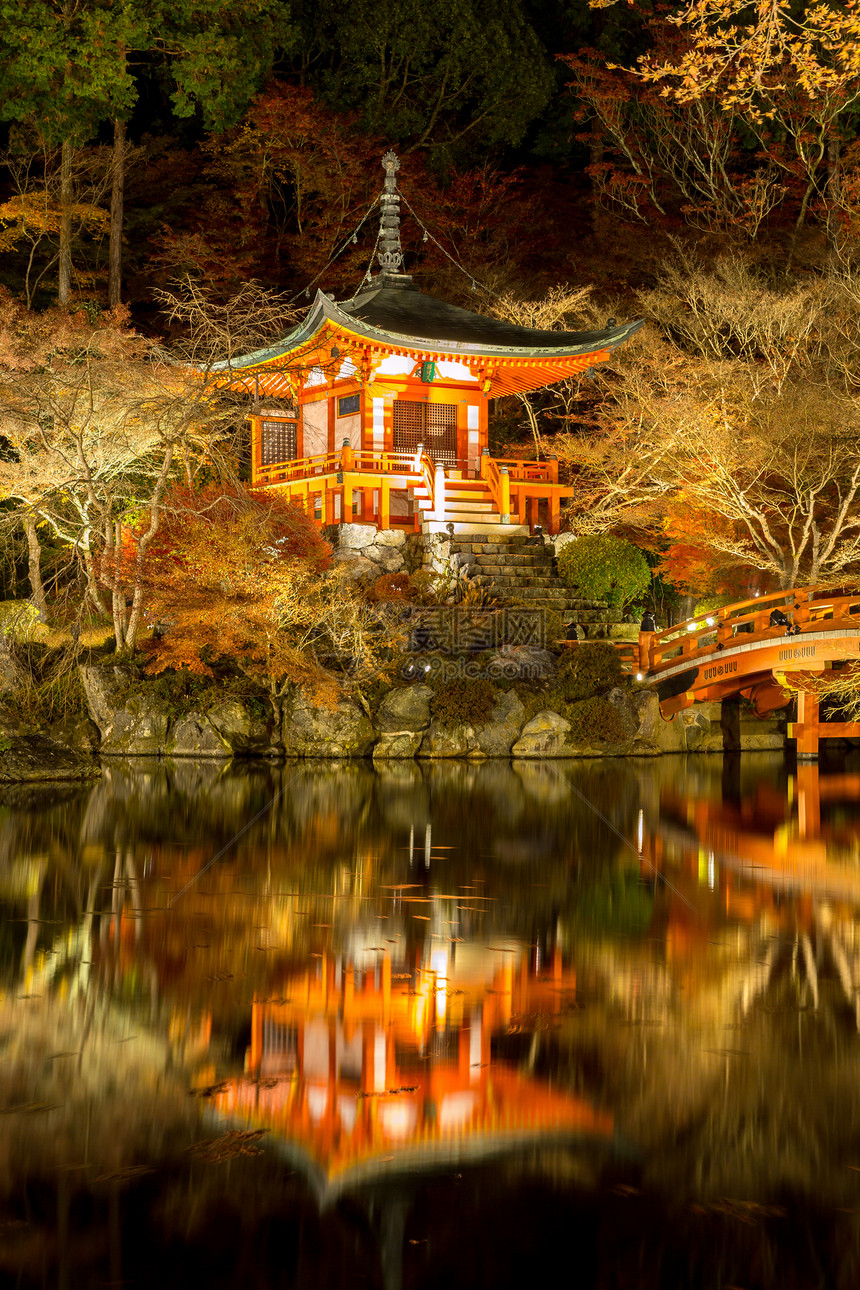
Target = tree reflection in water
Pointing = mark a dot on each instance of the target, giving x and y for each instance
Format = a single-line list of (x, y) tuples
[(438, 1024)]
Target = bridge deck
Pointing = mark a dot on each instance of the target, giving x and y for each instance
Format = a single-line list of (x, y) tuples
[(736, 650)]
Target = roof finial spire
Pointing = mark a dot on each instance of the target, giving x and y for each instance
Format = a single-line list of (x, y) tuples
[(390, 254)]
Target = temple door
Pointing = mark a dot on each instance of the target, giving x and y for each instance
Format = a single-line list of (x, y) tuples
[(433, 424)]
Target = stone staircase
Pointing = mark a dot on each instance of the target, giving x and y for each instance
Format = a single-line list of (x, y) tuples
[(524, 573)]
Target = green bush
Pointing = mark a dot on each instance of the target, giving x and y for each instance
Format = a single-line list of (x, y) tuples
[(18, 619), (596, 721), (589, 669), (604, 567), (466, 702)]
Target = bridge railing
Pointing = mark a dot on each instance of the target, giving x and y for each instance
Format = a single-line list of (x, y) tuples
[(808, 608)]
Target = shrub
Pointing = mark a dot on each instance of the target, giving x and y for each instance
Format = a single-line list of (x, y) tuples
[(604, 567), (467, 702), (596, 721), (588, 670), (390, 586)]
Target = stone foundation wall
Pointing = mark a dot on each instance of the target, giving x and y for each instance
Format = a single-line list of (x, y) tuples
[(403, 726)]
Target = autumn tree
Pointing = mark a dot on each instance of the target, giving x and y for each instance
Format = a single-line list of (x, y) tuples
[(98, 421), (789, 74), (742, 400), (244, 577)]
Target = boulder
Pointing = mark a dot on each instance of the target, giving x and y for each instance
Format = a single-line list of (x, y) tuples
[(387, 558), (496, 737), (243, 731), (311, 731), (78, 733), (130, 725), (193, 736), (356, 566), (544, 736), (406, 708), (10, 680), (28, 758), (397, 744), (356, 536), (390, 537), (448, 741)]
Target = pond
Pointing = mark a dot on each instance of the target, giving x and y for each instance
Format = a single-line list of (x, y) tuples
[(323, 1025)]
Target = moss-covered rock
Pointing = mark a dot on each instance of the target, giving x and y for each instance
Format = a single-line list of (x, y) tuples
[(544, 736), (309, 730), (34, 757), (195, 736)]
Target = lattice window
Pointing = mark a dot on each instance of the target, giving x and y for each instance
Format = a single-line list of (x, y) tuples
[(278, 441), (433, 424)]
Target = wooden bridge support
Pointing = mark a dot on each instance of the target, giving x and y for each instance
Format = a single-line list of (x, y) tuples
[(806, 729)]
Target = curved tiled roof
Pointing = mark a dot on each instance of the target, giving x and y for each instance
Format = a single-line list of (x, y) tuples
[(399, 315)]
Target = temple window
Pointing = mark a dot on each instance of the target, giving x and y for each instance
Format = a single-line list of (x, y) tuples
[(278, 442)]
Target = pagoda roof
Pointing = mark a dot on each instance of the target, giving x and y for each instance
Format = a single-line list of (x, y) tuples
[(399, 316)]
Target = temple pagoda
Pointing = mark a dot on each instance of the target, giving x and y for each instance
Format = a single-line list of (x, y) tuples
[(375, 409)]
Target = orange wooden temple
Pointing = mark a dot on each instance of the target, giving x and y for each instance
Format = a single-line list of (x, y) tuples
[(375, 409), (368, 1072)]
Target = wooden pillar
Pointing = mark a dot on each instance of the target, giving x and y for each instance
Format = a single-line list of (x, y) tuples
[(384, 503), (805, 730), (505, 490), (554, 512)]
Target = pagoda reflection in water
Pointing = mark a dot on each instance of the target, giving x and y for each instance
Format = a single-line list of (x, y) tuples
[(359, 1073)]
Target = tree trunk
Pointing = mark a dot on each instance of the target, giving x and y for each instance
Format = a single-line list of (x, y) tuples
[(116, 214), (34, 554), (65, 282), (833, 200)]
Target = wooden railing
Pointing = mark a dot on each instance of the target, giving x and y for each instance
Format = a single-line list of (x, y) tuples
[(497, 479), (316, 482), (808, 609), (517, 488), (531, 471)]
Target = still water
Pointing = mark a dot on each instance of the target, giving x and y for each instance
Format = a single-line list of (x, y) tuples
[(424, 1026)]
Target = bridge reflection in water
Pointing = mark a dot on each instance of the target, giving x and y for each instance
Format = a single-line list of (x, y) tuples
[(364, 1073), (786, 863)]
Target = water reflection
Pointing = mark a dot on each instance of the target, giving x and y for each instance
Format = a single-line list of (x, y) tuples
[(607, 1000), (368, 1072)]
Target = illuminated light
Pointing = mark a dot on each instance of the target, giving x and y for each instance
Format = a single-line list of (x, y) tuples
[(638, 676), (691, 627), (441, 1002), (710, 621), (397, 1119)]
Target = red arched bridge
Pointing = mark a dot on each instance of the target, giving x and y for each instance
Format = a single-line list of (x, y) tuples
[(762, 649)]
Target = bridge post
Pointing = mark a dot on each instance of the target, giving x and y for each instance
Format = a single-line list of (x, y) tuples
[(805, 731)]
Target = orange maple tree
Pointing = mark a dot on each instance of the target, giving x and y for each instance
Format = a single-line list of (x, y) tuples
[(246, 576)]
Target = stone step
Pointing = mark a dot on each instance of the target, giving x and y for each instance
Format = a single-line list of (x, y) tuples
[(497, 559), (488, 532), (455, 503)]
